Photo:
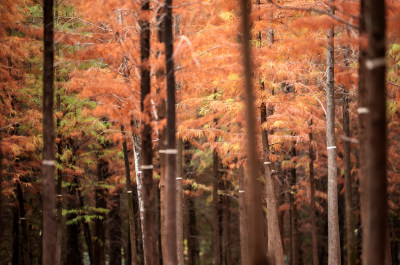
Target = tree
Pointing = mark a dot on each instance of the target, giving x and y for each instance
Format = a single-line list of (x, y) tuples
[(49, 237)]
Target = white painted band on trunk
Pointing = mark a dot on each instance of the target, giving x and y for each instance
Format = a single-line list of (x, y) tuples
[(22, 218), (129, 191), (59, 195), (48, 162), (178, 178), (146, 167), (363, 110), (139, 172), (375, 63), (241, 191), (171, 152), (273, 171), (267, 163), (331, 147)]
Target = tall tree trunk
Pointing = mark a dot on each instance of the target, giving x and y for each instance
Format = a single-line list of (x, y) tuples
[(115, 231), (74, 254), (275, 248), (314, 226), (99, 243), (15, 238), (138, 207), (375, 144), (179, 206), (193, 251), (49, 227), (350, 240), (129, 188), (362, 111), (149, 219), (244, 240), (86, 230), (22, 217), (227, 230), (333, 210), (171, 152), (256, 239), (293, 213), (216, 219)]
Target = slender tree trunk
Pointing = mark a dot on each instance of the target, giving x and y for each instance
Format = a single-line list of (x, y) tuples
[(131, 216), (171, 152), (86, 230), (179, 206), (256, 239), (244, 241), (193, 251), (314, 226), (49, 227), (216, 224), (350, 240), (375, 144), (138, 206), (15, 238), (275, 248), (22, 218), (98, 247), (115, 231), (149, 218), (74, 254), (293, 213), (227, 230), (333, 210)]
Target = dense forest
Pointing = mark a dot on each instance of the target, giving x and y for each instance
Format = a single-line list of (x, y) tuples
[(199, 132)]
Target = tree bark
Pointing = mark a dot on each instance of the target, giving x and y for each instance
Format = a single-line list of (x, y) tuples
[(293, 212), (314, 225), (49, 227), (22, 218), (275, 248), (86, 230), (74, 254), (179, 206), (98, 246), (129, 188), (350, 240), (227, 230), (333, 210), (375, 144), (256, 238), (15, 238), (171, 152), (244, 241), (149, 219), (216, 219), (115, 231)]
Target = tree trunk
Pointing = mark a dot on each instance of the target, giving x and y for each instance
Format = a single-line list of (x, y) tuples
[(350, 240), (22, 217), (314, 225), (244, 241), (129, 188), (293, 212), (74, 254), (115, 230), (256, 238), (171, 152), (275, 248), (333, 210), (86, 231), (193, 251), (98, 248), (49, 227), (179, 206), (15, 238), (216, 219), (149, 219), (227, 230), (375, 144)]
